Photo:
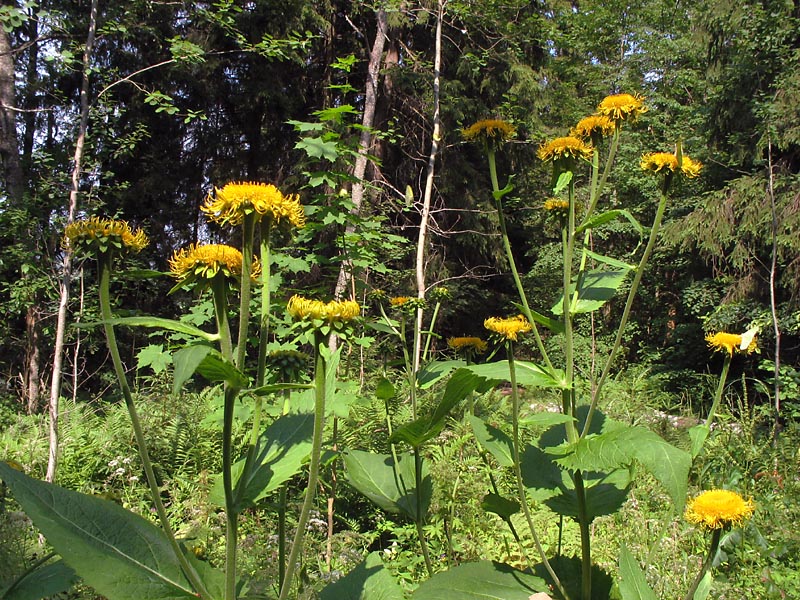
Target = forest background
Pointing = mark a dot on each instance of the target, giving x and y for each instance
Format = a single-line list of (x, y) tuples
[(183, 96)]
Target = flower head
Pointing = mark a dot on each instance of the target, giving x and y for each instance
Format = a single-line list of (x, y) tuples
[(556, 206), (399, 301), (732, 342), (620, 107), (100, 235), (288, 365), (335, 311), (489, 130), (716, 509), (235, 200), (206, 261), (661, 162), (508, 328), (565, 147), (441, 293), (467, 345), (595, 125)]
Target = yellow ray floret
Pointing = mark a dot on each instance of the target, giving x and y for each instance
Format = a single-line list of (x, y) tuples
[(716, 509), (495, 130), (565, 147), (467, 345), (508, 328), (731, 342), (231, 203), (620, 107), (207, 260), (102, 234), (593, 125), (304, 309), (660, 162)]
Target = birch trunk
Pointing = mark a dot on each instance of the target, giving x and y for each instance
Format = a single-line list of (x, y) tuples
[(61, 324)]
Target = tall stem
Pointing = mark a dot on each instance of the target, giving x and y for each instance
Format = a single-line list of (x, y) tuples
[(510, 255), (637, 278), (712, 550), (320, 375), (523, 496), (104, 263), (723, 376), (248, 230), (420, 517)]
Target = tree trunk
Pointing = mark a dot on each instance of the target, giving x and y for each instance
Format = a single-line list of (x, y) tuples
[(365, 140), (9, 148), (32, 375), (422, 239), (61, 324)]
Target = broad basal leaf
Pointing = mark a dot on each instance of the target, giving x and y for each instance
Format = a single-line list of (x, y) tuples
[(281, 450), (493, 440), (118, 553), (619, 445), (633, 584), (392, 487), (594, 290), (483, 580), (368, 581), (45, 581)]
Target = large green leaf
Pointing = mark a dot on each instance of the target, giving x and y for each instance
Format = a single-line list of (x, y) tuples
[(594, 290), (546, 482), (390, 486), (435, 371), (207, 361), (48, 580), (619, 445), (118, 553), (606, 217), (368, 581), (493, 440), (527, 373), (482, 580), (280, 453), (633, 584), (159, 323)]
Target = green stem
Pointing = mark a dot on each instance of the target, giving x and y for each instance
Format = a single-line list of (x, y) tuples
[(510, 256), (430, 331), (266, 306), (320, 372), (598, 190), (586, 540), (219, 288), (637, 278), (523, 496), (712, 550), (104, 263), (720, 388), (282, 533), (420, 520), (248, 230)]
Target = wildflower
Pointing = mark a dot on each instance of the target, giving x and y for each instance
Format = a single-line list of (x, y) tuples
[(716, 509), (399, 301), (303, 309), (206, 261), (489, 130), (235, 200), (441, 293), (467, 345), (564, 147), (621, 106), (557, 206), (288, 364), (508, 328), (732, 342), (96, 234), (661, 162), (593, 126)]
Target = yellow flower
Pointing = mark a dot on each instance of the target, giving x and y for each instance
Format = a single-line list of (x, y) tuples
[(303, 309), (398, 301), (102, 234), (621, 106), (658, 162), (467, 345), (716, 509), (235, 200), (205, 261), (732, 342), (564, 147), (508, 328), (593, 125), (494, 130), (556, 205)]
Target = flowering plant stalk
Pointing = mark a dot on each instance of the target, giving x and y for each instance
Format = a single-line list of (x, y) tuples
[(567, 154)]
